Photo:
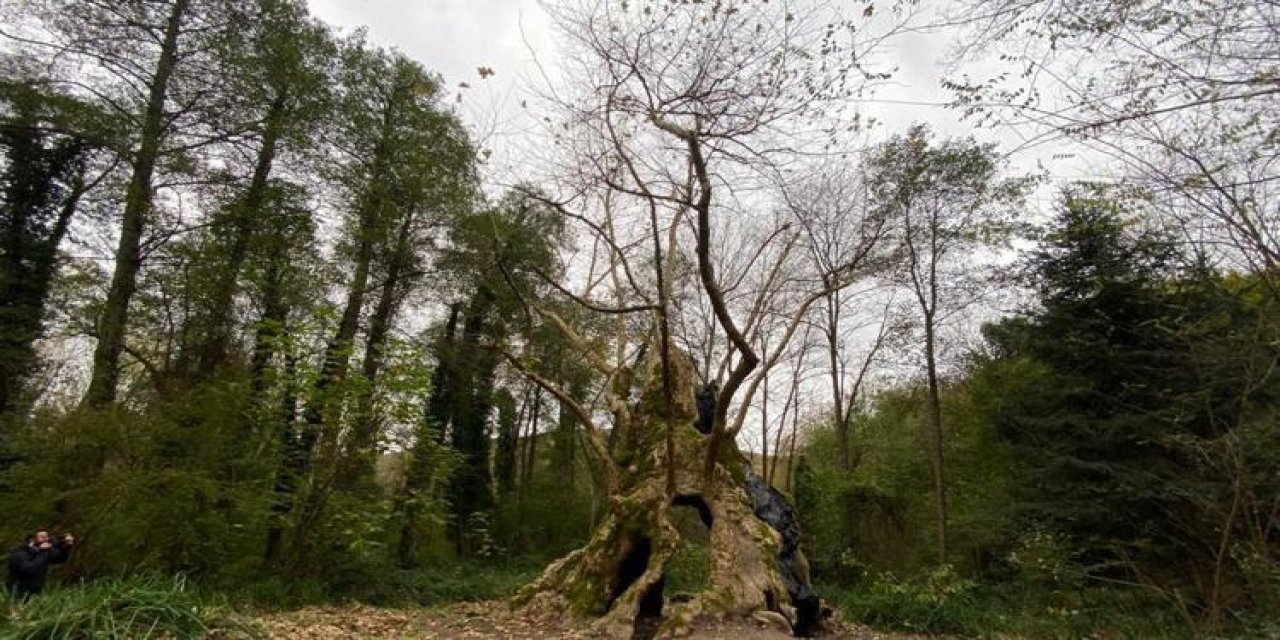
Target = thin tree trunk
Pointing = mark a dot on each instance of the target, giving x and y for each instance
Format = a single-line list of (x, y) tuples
[(128, 258), (326, 396), (337, 353), (266, 340), (764, 413), (504, 459), (470, 487), (431, 432), (936, 442), (361, 447), (266, 344), (791, 454), (841, 413), (789, 408), (289, 466), (212, 353), (531, 450), (565, 436)]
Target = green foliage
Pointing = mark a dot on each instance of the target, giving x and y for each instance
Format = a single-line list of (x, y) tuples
[(138, 489), (879, 518), (1105, 453), (941, 602), (547, 516), (44, 142), (141, 607), (1140, 380), (437, 582)]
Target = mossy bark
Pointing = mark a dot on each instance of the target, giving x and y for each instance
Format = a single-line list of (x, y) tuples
[(618, 576)]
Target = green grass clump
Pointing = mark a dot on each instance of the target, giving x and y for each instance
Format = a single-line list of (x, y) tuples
[(134, 608)]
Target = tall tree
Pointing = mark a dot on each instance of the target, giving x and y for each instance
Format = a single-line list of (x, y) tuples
[(502, 254), (156, 36), (675, 111), (1136, 395), (48, 141), (841, 226), (278, 63), (406, 164), (946, 200)]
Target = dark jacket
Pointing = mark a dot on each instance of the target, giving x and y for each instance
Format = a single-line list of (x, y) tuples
[(28, 567)]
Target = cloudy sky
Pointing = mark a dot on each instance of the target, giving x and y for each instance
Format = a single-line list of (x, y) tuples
[(513, 37), (455, 38)]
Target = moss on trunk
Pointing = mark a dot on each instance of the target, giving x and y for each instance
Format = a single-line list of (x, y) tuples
[(618, 576)]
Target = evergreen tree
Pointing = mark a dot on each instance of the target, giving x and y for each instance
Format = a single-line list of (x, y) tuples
[(1136, 377)]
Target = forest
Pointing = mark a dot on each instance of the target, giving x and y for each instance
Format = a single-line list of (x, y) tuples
[(726, 355)]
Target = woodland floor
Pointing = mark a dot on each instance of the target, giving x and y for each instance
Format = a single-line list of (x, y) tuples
[(486, 620)]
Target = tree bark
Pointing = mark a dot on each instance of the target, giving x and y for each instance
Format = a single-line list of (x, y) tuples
[(841, 412), (31, 244), (531, 441), (431, 432), (510, 420)]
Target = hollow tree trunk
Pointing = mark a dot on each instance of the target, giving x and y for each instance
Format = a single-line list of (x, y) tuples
[(618, 577)]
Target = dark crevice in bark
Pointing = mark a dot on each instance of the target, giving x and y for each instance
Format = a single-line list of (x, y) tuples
[(649, 618), (633, 566), (695, 501)]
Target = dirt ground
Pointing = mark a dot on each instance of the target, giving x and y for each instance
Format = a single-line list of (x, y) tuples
[(486, 620)]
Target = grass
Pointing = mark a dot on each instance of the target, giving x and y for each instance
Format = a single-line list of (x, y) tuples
[(135, 608)]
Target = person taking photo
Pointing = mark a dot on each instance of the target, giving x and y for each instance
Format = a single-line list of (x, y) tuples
[(29, 563)]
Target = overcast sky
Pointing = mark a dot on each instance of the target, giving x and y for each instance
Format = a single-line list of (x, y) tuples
[(514, 37), (455, 37)]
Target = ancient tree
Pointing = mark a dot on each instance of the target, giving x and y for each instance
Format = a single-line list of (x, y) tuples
[(680, 124)]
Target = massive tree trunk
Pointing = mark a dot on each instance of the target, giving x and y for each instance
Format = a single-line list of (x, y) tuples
[(619, 576)]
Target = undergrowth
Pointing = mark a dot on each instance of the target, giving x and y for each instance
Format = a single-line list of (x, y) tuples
[(427, 586), (941, 602), (139, 608)]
